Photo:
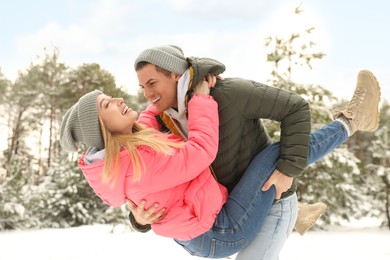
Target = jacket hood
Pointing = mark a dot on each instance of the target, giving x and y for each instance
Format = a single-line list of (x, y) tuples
[(202, 66)]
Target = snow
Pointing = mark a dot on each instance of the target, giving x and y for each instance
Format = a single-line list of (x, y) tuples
[(98, 242)]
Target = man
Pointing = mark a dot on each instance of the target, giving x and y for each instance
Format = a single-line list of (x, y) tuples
[(166, 77)]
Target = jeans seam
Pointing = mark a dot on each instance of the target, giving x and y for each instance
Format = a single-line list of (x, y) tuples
[(329, 137)]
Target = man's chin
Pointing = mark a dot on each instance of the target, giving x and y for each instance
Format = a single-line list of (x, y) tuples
[(160, 108)]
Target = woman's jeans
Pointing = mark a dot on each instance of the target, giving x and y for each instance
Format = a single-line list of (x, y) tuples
[(247, 207)]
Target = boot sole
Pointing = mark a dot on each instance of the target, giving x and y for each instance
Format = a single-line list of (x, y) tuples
[(312, 222), (377, 96)]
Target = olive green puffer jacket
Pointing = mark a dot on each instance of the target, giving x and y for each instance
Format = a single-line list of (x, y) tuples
[(242, 104)]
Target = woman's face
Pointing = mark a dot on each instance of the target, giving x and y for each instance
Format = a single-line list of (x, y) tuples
[(116, 116)]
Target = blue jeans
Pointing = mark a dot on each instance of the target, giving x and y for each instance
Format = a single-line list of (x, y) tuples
[(247, 207), (274, 232)]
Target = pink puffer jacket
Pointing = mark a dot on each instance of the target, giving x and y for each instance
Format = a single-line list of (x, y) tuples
[(182, 183)]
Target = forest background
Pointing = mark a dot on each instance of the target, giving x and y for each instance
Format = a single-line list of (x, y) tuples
[(41, 186)]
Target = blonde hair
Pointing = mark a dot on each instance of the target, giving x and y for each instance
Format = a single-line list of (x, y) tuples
[(141, 135)]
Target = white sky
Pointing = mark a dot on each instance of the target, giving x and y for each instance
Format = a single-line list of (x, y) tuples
[(353, 34)]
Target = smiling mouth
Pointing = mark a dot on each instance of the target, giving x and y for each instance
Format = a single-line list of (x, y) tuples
[(155, 100), (125, 110)]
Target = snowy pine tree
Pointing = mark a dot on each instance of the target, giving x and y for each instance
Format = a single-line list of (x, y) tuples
[(378, 179), (17, 194), (67, 200), (336, 179)]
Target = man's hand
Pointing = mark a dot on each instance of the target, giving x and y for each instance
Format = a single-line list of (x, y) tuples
[(282, 183), (145, 216)]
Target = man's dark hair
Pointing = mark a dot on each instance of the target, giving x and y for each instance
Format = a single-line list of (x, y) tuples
[(142, 64)]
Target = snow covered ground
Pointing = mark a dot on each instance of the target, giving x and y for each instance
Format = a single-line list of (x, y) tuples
[(98, 242)]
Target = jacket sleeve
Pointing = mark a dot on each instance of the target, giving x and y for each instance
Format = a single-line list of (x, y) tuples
[(148, 117), (138, 227), (259, 101), (197, 154), (201, 146)]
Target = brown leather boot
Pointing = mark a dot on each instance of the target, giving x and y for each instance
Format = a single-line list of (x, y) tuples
[(308, 214), (362, 111)]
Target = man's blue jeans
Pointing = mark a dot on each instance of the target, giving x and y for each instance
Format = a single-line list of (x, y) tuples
[(274, 232), (247, 207)]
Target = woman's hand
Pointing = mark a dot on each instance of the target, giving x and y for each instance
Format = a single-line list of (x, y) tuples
[(206, 83), (202, 88)]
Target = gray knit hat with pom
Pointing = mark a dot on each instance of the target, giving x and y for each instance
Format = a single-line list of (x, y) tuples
[(168, 57), (81, 124)]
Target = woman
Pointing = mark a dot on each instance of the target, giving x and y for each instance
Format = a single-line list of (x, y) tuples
[(142, 164), (155, 156)]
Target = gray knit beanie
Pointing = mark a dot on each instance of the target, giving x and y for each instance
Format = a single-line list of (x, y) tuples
[(81, 124), (169, 57)]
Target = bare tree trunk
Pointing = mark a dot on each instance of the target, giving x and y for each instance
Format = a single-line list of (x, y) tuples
[(9, 126), (39, 173), (14, 138), (386, 165), (387, 199), (50, 136), (388, 206), (55, 149)]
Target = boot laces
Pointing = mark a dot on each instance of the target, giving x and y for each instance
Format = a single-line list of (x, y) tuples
[(356, 100)]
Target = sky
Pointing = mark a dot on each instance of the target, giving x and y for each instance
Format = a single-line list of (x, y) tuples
[(97, 243), (353, 34)]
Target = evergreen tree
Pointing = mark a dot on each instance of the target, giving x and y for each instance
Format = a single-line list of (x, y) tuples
[(378, 177), (5, 90), (17, 193), (5, 85), (336, 179), (34, 192), (67, 200)]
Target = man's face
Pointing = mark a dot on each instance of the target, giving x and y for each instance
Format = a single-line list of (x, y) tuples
[(158, 88)]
